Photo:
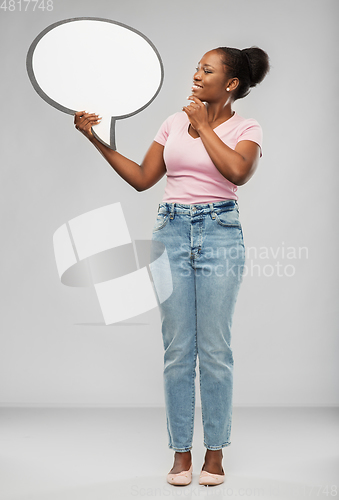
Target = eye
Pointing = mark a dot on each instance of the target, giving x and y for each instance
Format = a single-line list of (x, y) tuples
[(205, 70)]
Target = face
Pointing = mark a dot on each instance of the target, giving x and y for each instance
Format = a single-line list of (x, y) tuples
[(209, 81)]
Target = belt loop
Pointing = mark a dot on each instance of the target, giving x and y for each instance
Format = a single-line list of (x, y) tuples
[(212, 210), (172, 211)]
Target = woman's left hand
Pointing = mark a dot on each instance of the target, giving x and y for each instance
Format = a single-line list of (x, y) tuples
[(196, 112)]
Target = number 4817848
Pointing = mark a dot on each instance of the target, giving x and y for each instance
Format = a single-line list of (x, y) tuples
[(25, 5)]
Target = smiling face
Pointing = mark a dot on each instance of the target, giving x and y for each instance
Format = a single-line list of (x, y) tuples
[(210, 80)]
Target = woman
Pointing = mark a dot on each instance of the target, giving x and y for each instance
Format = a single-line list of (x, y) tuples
[(206, 151)]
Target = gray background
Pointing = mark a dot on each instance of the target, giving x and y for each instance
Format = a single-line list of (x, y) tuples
[(55, 349)]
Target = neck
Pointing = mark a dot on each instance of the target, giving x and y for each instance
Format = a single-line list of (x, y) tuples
[(219, 111)]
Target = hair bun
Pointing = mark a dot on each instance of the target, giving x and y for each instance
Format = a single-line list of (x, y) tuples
[(248, 65), (258, 64)]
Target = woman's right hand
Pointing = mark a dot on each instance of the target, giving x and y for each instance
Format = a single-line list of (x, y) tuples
[(84, 122)]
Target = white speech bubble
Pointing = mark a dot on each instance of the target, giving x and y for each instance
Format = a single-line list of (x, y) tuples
[(98, 65)]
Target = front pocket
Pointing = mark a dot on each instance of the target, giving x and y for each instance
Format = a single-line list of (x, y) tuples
[(161, 221), (229, 218)]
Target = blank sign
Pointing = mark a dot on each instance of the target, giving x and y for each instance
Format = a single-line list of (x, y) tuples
[(97, 65)]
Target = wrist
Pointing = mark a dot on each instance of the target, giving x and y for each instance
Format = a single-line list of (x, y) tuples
[(203, 128)]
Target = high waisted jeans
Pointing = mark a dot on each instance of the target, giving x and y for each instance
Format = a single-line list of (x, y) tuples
[(205, 247)]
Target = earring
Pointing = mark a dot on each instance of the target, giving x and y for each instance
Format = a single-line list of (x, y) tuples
[(228, 89)]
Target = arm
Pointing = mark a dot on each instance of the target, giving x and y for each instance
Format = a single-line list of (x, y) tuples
[(237, 165), (141, 177)]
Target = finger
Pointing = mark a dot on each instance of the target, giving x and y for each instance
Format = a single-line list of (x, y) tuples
[(195, 99), (87, 125), (94, 119), (192, 108), (94, 122), (88, 118), (80, 114)]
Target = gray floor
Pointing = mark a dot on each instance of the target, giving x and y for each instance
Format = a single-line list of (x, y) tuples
[(103, 454)]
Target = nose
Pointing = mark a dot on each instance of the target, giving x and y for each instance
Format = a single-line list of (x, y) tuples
[(197, 75)]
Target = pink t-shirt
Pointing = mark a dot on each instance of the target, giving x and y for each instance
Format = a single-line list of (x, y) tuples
[(192, 178)]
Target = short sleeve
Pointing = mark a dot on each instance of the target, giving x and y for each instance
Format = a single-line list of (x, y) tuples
[(164, 130), (252, 131)]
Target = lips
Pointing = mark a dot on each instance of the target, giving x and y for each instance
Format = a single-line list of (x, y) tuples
[(196, 86)]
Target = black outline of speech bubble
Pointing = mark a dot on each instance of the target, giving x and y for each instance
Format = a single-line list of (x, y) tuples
[(58, 106)]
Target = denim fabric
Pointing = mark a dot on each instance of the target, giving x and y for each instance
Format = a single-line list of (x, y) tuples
[(205, 247)]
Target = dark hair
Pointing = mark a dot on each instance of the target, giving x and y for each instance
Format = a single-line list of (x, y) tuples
[(250, 66)]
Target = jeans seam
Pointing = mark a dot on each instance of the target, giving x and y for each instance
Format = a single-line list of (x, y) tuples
[(194, 368), (227, 443), (181, 450), (217, 218), (164, 222), (202, 406), (168, 431)]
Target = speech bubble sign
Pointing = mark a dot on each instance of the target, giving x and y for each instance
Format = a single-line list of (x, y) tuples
[(98, 65)]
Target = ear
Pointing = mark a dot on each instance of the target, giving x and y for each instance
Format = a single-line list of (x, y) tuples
[(232, 84)]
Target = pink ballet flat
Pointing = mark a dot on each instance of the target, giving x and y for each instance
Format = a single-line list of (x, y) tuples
[(181, 478), (208, 479)]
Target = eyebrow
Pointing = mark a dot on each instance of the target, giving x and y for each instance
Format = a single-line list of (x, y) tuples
[(206, 65)]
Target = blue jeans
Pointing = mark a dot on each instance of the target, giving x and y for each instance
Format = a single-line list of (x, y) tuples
[(205, 247)]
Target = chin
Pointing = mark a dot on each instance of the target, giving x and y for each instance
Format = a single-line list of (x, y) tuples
[(199, 96)]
